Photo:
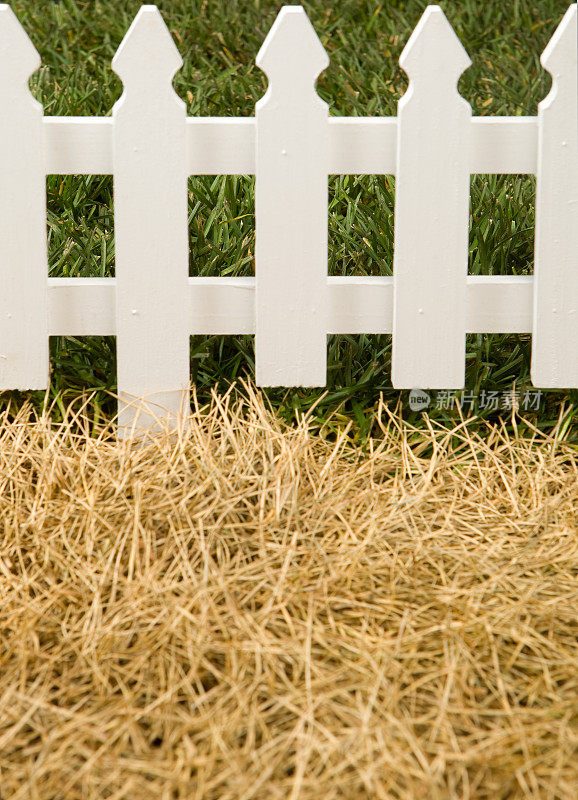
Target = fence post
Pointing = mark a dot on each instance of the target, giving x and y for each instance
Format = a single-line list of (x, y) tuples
[(291, 208), (555, 328), (151, 231), (432, 191), (23, 242)]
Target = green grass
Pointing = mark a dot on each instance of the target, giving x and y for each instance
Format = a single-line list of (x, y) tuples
[(219, 41)]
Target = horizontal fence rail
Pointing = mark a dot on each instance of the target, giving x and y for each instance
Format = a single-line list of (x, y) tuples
[(226, 306), (292, 145), (226, 145)]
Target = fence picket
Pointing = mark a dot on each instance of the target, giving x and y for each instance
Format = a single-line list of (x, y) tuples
[(151, 230), (23, 247), (431, 211), (291, 197), (555, 328)]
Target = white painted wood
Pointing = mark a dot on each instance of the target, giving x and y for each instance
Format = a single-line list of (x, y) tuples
[(151, 248), (503, 145), (78, 145), (82, 306), (220, 146), (499, 303), (360, 304), (87, 306), (226, 145), (226, 306), (215, 145), (291, 199), (431, 211), (494, 304), (362, 145), (23, 249), (555, 331), (368, 145), (222, 306)]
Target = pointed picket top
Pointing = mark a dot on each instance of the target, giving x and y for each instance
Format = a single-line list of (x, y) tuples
[(19, 59), (292, 52), (147, 49), (433, 49), (560, 52)]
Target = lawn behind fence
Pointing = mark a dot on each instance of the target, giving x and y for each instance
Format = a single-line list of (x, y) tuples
[(219, 41)]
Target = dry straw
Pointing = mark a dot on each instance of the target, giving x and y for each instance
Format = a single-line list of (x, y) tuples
[(254, 611)]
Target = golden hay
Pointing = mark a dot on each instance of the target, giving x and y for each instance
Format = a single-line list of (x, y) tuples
[(250, 611)]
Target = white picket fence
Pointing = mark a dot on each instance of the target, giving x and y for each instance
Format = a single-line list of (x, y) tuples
[(292, 146)]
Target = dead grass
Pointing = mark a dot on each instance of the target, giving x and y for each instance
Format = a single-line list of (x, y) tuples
[(255, 612)]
